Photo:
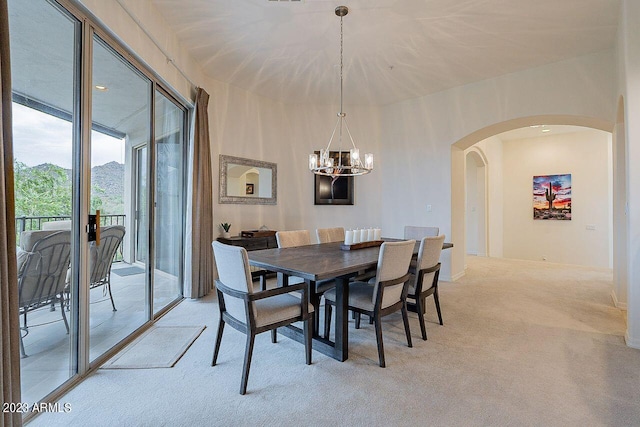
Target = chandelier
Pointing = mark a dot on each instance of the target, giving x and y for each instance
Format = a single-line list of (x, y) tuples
[(325, 163)]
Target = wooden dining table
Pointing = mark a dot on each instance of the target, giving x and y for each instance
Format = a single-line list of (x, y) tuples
[(318, 262)]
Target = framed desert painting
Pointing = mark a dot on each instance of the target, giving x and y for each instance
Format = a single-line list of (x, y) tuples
[(552, 197)]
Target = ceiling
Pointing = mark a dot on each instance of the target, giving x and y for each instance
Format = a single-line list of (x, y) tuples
[(393, 49)]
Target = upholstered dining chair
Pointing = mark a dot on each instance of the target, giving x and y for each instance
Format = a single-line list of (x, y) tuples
[(289, 239), (43, 261), (418, 233), (424, 279), (388, 295), (328, 235), (255, 312)]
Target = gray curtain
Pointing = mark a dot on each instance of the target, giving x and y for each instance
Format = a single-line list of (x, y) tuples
[(202, 264), (9, 321)]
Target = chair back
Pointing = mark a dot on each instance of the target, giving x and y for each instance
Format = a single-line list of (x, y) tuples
[(417, 233), (233, 272), (56, 225), (101, 257), (289, 239), (393, 263), (428, 256), (43, 275), (328, 235)]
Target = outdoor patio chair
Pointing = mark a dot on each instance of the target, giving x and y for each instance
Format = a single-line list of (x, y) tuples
[(43, 261)]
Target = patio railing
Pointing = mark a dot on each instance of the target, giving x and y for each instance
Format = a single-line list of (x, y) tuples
[(34, 223)]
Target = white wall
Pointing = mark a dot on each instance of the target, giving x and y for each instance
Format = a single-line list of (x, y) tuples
[(628, 49), (418, 134), (585, 156)]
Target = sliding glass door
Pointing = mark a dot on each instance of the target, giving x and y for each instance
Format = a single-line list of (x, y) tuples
[(169, 201), (94, 132), (44, 54), (121, 112)]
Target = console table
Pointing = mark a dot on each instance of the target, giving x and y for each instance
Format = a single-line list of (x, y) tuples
[(251, 243)]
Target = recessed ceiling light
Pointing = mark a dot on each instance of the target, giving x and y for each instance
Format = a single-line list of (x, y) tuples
[(101, 88), (546, 130), (534, 126)]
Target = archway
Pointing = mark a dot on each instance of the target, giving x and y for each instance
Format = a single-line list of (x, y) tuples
[(458, 172)]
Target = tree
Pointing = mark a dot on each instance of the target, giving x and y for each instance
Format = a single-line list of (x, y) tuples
[(43, 190)]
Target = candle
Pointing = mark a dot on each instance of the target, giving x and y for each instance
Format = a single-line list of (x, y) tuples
[(370, 234), (377, 234), (356, 236), (348, 237), (363, 235)]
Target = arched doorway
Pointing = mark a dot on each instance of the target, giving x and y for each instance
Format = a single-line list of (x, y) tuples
[(458, 168)]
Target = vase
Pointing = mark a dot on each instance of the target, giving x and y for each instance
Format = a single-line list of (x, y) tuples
[(226, 234)]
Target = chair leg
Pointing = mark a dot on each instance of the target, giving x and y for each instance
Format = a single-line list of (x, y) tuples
[(263, 281), (64, 316), (247, 362), (274, 335), (308, 332), (437, 301), (357, 319), (327, 319), (108, 285), (420, 310), (22, 353), (378, 324), (371, 320), (218, 341), (405, 319)]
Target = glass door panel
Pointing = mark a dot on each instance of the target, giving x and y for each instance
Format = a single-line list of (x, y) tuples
[(44, 55), (121, 113), (140, 199), (169, 211)]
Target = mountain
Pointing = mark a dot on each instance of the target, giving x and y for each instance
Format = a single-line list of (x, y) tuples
[(110, 178)]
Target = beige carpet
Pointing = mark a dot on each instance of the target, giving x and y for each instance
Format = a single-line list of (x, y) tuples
[(523, 344), (159, 347)]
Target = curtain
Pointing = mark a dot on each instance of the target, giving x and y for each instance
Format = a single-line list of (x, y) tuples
[(9, 320), (202, 263)]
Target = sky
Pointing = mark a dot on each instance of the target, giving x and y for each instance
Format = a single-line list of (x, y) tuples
[(41, 138)]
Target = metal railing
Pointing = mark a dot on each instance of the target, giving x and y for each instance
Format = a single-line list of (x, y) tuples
[(33, 223)]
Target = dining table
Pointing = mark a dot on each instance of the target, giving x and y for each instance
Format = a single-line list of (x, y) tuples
[(319, 262)]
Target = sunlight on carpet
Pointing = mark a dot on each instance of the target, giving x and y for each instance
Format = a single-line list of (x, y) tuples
[(160, 347)]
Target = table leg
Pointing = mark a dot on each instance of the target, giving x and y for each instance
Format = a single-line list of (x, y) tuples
[(341, 349)]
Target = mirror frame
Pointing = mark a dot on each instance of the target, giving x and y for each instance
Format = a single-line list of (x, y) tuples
[(223, 197)]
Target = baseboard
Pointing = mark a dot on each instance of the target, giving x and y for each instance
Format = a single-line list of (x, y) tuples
[(633, 343), (454, 277), (618, 304)]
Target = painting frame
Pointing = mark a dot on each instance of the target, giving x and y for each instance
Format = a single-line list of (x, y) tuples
[(552, 197), (342, 186), (249, 189)]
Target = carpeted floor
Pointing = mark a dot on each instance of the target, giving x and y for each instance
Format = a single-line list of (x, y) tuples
[(523, 343)]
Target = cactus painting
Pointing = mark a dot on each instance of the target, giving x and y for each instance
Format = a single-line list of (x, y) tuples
[(552, 197)]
